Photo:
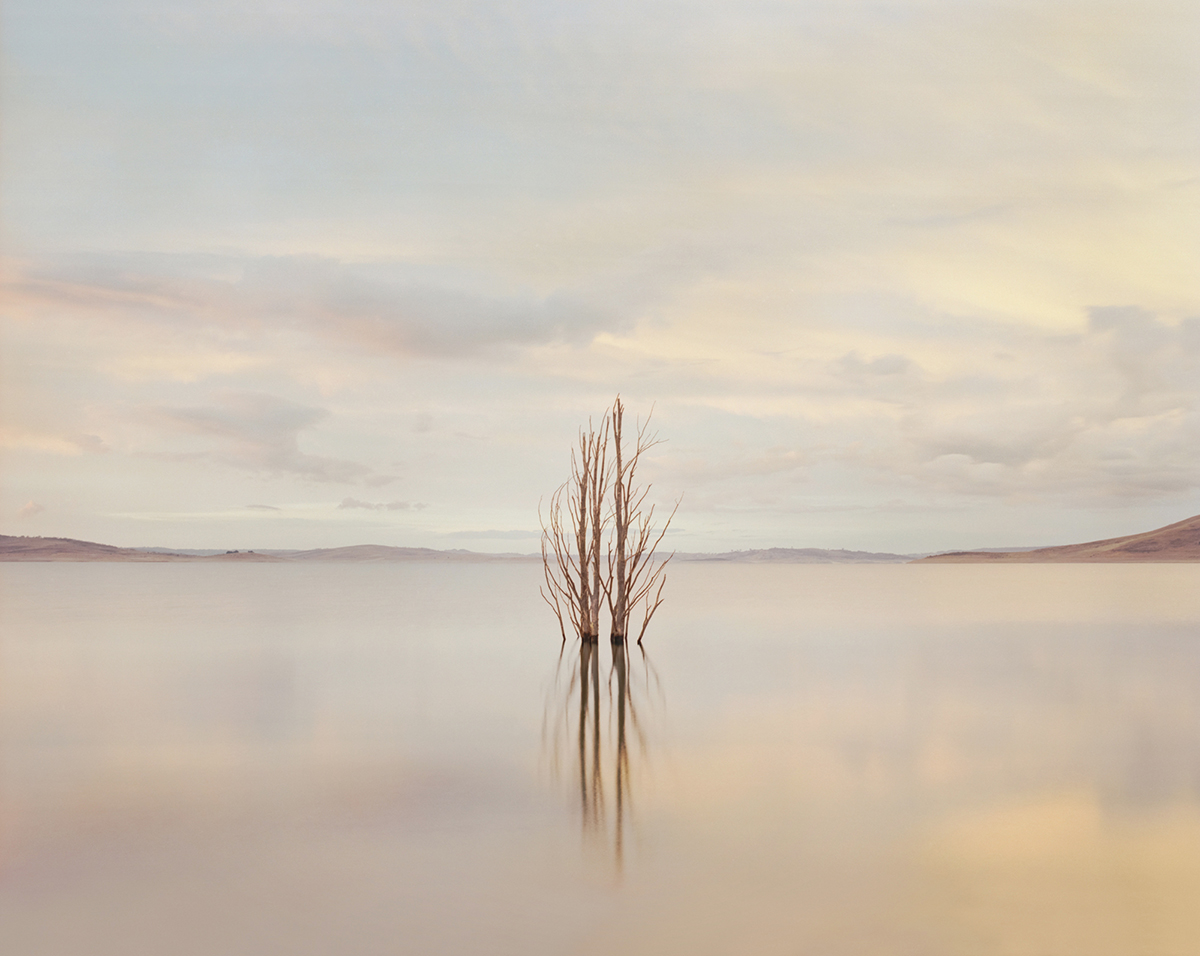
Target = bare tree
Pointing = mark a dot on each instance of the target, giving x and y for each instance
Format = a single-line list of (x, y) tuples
[(598, 518), (631, 579), (635, 578), (573, 535)]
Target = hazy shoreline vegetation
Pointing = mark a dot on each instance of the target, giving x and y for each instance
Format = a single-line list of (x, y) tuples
[(1178, 542)]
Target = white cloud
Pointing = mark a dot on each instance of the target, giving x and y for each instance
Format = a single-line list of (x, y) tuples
[(260, 433), (18, 438), (494, 535), (350, 503), (390, 308)]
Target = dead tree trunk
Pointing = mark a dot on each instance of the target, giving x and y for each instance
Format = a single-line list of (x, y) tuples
[(581, 478), (572, 537), (636, 580), (619, 605), (601, 478)]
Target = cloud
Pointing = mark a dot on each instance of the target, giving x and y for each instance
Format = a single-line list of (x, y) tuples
[(853, 364), (771, 461), (936, 408), (1112, 413), (394, 308), (29, 509), (380, 506), (263, 508), (496, 535), (54, 444), (259, 433), (378, 481)]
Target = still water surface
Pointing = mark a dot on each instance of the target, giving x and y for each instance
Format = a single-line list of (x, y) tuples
[(388, 759)]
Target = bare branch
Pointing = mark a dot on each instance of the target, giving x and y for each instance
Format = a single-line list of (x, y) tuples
[(581, 523), (634, 574)]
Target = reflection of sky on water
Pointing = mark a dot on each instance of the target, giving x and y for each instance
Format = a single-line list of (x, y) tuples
[(1005, 709), (844, 760)]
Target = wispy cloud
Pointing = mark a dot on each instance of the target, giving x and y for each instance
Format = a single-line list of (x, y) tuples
[(1104, 415), (396, 308), (54, 444), (351, 503), (517, 535), (260, 433), (29, 509)]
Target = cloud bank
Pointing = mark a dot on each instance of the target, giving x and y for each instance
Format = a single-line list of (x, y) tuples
[(392, 309), (260, 433), (350, 503)]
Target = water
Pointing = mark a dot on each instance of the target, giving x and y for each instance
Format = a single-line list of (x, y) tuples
[(386, 759)]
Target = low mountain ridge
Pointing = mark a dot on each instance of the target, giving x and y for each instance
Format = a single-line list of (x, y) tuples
[(17, 548), (13, 548), (20, 548), (1178, 542), (799, 556), (375, 553)]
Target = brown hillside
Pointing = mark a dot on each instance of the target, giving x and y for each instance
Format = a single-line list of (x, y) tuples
[(240, 556), (1176, 542), (383, 552), (14, 548)]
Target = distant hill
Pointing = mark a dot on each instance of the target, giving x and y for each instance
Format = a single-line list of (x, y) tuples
[(380, 552), (799, 556), (14, 548), (1175, 543)]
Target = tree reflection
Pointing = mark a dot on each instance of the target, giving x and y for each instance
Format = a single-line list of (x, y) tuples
[(593, 725)]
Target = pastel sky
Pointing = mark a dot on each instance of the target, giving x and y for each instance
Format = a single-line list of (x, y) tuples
[(896, 275)]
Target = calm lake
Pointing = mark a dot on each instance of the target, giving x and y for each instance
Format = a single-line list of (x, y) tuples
[(335, 760)]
